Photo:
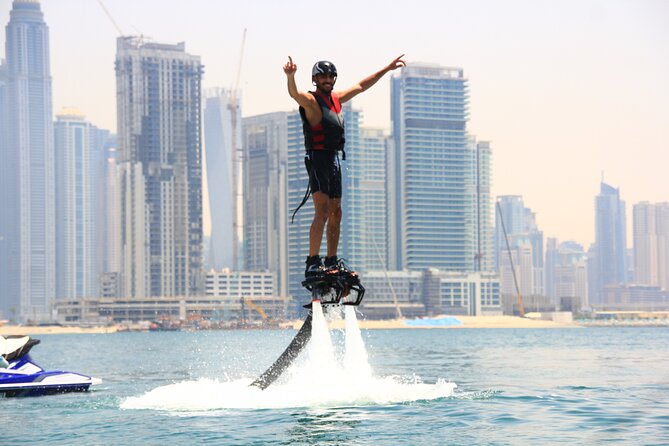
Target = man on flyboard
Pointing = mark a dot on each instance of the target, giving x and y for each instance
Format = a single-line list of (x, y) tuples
[(323, 126)]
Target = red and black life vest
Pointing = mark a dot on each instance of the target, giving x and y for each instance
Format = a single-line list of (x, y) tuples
[(329, 133)]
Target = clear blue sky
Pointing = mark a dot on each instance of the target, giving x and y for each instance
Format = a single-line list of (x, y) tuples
[(564, 90)]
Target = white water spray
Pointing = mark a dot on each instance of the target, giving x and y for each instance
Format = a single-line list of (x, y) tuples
[(316, 379), (356, 362), (321, 352)]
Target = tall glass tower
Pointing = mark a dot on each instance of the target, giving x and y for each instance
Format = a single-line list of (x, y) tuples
[(223, 177), (298, 227), (158, 104), (433, 205), (27, 238), (7, 194), (484, 217), (651, 244), (79, 150), (367, 205), (610, 243), (265, 203)]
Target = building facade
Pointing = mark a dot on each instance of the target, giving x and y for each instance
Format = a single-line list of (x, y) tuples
[(366, 232), (433, 205), (634, 298), (246, 294), (159, 122), (483, 219), (566, 274), (524, 254), (265, 142), (223, 143), (8, 299), (229, 296), (79, 150), (651, 244), (27, 234), (392, 294), (471, 294), (610, 265), (109, 220)]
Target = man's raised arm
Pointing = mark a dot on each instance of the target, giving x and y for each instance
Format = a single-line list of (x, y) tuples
[(366, 83), (303, 99)]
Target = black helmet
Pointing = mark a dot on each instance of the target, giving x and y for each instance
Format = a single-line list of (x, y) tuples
[(324, 67)]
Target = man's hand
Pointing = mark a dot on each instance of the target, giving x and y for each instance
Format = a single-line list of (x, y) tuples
[(305, 100), (290, 68), (363, 85), (397, 63)]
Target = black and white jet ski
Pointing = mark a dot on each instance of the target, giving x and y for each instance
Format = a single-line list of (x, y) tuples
[(21, 376)]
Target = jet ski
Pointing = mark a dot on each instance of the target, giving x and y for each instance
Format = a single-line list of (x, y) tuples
[(21, 376)]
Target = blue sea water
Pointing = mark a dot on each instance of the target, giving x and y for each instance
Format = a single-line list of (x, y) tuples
[(514, 387)]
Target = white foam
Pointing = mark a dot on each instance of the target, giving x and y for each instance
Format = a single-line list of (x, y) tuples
[(356, 362), (316, 379)]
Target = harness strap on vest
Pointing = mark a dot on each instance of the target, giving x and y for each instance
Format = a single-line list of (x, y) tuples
[(307, 163)]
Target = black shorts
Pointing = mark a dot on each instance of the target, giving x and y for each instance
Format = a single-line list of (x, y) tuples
[(324, 172)]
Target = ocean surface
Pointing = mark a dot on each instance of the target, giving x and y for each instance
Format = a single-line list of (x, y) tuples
[(378, 387)]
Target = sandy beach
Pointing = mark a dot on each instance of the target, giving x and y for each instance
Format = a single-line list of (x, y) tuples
[(466, 322), (52, 329), (479, 322)]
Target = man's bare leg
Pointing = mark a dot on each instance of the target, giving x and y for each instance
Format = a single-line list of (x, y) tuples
[(318, 224), (334, 224)]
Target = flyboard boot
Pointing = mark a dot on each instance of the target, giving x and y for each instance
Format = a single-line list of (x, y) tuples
[(335, 284)]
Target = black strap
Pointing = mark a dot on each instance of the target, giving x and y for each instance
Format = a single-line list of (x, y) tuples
[(307, 163)]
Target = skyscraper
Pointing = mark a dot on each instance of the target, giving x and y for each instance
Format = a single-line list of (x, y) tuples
[(651, 244), (79, 151), (109, 218), (265, 195), (526, 243), (224, 185), (610, 243), (509, 216), (364, 230), (367, 202), (7, 191), (158, 104), (27, 244), (483, 219), (433, 205), (299, 224)]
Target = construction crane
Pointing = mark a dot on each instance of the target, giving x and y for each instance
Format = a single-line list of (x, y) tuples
[(398, 310), (111, 19), (521, 309), (237, 159), (257, 308)]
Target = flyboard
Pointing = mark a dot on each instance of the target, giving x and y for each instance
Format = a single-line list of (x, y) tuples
[(335, 287)]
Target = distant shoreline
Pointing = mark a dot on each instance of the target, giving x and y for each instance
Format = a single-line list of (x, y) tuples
[(54, 329), (464, 322)]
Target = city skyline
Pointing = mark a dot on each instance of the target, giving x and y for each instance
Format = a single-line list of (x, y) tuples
[(27, 198), (565, 92), (159, 100)]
